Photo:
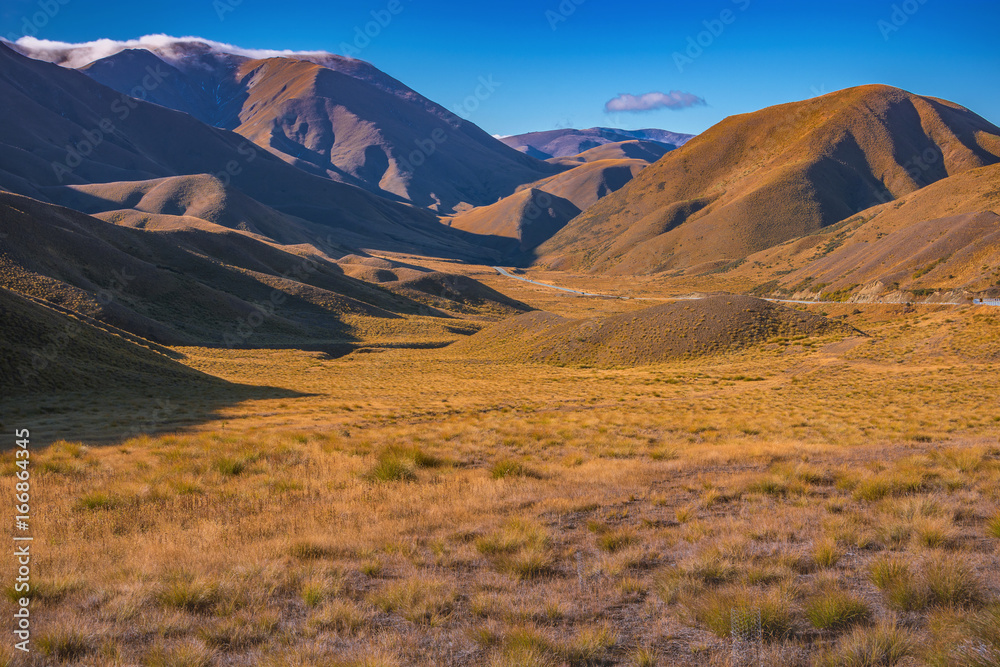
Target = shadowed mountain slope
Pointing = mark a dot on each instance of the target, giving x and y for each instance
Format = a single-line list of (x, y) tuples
[(519, 222), (186, 286), (43, 349)]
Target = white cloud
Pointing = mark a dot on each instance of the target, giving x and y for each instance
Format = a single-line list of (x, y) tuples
[(171, 48), (675, 100)]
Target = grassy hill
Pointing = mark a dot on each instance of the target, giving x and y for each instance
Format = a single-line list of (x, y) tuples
[(670, 331), (756, 180)]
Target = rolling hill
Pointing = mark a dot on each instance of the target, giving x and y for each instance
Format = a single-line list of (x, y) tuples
[(684, 328), (193, 286), (756, 180), (517, 224)]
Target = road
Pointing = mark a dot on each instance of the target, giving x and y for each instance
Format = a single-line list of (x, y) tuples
[(504, 272)]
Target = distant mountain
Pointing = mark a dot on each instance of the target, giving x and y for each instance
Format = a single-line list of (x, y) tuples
[(756, 180), (633, 149), (332, 116), (567, 142), (520, 222)]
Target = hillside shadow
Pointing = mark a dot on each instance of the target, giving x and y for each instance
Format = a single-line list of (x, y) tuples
[(109, 417)]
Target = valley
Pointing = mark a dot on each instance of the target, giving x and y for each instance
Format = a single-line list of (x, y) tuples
[(319, 373)]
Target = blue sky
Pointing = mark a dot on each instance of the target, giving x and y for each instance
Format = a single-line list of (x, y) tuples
[(556, 63)]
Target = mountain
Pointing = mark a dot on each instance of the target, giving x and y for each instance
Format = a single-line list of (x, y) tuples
[(44, 349), (60, 130), (517, 223), (520, 222), (335, 117), (568, 142), (756, 180), (944, 238), (633, 149)]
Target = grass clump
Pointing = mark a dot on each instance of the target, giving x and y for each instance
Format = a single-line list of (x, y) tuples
[(884, 645), (399, 463), (232, 466), (519, 547), (591, 646), (421, 602), (391, 469), (309, 550), (197, 596), (64, 644), (827, 554), (98, 500), (836, 610), (714, 609), (510, 468), (613, 541), (340, 616), (951, 582), (993, 526), (897, 583)]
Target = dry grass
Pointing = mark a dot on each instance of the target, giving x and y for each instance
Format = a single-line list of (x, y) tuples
[(414, 507)]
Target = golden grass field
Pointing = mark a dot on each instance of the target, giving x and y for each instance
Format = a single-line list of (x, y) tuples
[(416, 507)]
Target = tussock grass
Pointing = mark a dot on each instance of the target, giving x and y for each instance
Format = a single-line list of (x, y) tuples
[(993, 526), (884, 645), (826, 553), (836, 610), (190, 594), (418, 601), (65, 644), (715, 608), (343, 617), (510, 468)]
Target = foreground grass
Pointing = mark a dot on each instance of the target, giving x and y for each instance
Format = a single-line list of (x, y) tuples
[(421, 509)]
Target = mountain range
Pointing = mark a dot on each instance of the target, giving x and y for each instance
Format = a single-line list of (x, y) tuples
[(175, 191)]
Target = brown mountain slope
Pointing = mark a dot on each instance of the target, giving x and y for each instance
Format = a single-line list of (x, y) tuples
[(333, 116), (539, 210), (756, 180), (334, 125), (679, 329), (943, 238), (588, 182), (199, 196), (519, 222), (114, 138)]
